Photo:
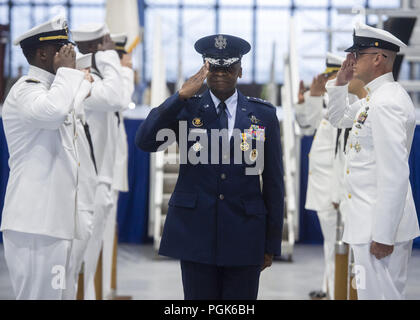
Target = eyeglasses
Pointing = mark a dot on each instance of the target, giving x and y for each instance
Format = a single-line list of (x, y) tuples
[(357, 54)]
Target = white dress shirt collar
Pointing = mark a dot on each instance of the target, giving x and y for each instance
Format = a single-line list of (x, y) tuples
[(379, 81), (230, 102), (41, 75)]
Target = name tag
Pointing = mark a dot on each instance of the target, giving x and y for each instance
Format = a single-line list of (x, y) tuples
[(198, 130)]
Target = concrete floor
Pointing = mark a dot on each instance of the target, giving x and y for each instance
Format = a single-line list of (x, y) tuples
[(144, 276)]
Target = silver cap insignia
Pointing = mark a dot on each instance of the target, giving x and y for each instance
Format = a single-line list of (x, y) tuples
[(220, 42)]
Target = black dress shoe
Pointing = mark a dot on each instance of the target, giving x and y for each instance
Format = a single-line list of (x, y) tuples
[(317, 294)]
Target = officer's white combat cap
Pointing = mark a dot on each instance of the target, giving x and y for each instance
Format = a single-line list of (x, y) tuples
[(89, 32), (120, 40), (83, 61), (365, 36), (333, 63), (51, 32)]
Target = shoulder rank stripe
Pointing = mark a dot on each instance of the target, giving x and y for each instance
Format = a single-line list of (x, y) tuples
[(32, 81), (258, 100)]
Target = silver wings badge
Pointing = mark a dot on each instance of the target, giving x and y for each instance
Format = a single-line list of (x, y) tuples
[(220, 42)]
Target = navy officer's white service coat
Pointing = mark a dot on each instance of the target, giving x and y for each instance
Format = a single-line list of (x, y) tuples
[(40, 131), (380, 202), (106, 99)]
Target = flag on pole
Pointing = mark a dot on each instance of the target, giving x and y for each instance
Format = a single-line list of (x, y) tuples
[(158, 85), (122, 16)]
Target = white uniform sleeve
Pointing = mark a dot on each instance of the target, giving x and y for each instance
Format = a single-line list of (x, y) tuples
[(128, 84), (341, 113), (83, 92), (309, 114), (390, 147), (314, 110), (107, 95), (335, 177), (301, 115), (49, 109)]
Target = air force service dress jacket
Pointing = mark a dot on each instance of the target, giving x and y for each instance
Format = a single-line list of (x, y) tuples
[(217, 214)]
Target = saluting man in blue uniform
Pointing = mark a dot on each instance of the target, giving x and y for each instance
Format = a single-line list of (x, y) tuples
[(223, 223)]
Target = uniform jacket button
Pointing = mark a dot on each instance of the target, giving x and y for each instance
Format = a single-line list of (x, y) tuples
[(221, 196), (223, 176)]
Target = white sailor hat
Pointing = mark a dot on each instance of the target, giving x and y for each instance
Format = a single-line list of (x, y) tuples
[(120, 40), (222, 50), (89, 32), (365, 36), (83, 61), (333, 63), (54, 31)]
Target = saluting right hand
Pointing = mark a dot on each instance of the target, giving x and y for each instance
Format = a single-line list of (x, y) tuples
[(65, 57), (318, 85), (88, 76), (107, 44), (345, 74), (193, 84), (126, 61), (301, 94)]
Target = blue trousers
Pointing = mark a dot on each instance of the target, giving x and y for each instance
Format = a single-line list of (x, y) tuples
[(211, 282)]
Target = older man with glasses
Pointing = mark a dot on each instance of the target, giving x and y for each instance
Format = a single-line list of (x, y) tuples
[(381, 221)]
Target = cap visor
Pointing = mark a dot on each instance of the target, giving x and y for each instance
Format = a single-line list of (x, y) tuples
[(351, 49), (64, 42)]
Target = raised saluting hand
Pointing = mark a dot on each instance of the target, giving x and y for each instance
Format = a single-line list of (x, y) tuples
[(65, 57), (193, 84), (345, 74)]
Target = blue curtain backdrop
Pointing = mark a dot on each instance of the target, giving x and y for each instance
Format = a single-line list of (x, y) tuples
[(133, 206)]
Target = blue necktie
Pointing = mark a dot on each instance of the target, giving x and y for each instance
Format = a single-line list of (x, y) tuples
[(223, 124), (223, 119)]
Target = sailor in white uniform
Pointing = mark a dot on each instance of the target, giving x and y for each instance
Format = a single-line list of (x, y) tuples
[(39, 215), (339, 195), (120, 172), (87, 178), (381, 217), (102, 108), (321, 159)]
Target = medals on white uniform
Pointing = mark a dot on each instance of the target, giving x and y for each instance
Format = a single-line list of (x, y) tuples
[(361, 118)]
